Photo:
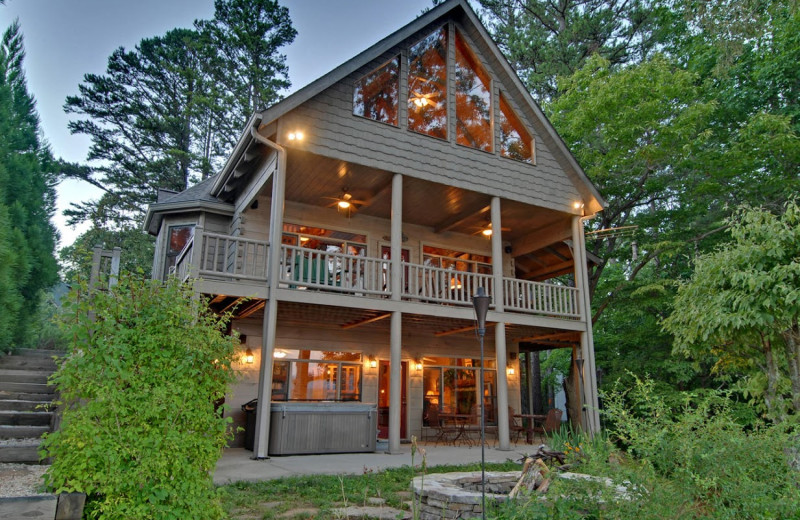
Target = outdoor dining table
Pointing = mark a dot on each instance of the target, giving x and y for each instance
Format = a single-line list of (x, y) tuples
[(529, 422), (460, 421)]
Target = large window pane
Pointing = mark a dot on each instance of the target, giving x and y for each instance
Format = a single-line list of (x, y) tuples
[(316, 375), (427, 85), (376, 94), (178, 237), (473, 100), (515, 141)]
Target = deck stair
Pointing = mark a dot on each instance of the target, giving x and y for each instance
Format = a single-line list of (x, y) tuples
[(26, 403)]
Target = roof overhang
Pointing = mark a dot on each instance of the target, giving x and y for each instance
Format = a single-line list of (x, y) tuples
[(157, 212)]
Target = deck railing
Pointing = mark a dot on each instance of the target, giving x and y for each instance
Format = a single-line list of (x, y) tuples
[(540, 298), (333, 271), (235, 258), (436, 284), (183, 261)]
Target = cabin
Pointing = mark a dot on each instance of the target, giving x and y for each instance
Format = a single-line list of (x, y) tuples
[(353, 224)]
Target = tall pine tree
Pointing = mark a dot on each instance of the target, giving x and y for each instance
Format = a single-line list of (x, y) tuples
[(27, 199)]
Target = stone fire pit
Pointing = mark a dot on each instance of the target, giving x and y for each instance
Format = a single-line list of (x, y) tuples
[(458, 495)]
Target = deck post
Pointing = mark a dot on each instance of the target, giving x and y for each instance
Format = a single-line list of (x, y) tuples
[(591, 417), (504, 440), (396, 269), (395, 383), (270, 324)]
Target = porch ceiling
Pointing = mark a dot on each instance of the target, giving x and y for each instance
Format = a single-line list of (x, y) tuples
[(318, 180), (323, 316)]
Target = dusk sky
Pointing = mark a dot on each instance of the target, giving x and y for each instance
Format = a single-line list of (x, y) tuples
[(65, 39)]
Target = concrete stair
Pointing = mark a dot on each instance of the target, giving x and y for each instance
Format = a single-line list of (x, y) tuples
[(26, 403)]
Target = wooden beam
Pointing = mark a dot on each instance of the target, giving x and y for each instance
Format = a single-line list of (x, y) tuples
[(358, 323), (554, 252), (250, 309), (556, 335), (542, 237), (456, 331), (455, 220), (550, 269)]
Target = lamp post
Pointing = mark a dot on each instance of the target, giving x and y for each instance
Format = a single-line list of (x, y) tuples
[(481, 303)]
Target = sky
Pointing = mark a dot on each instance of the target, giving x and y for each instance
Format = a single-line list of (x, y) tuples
[(65, 39)]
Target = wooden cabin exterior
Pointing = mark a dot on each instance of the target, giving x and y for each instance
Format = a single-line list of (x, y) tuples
[(359, 216)]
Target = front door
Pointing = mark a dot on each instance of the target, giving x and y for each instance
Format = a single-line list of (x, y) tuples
[(383, 400)]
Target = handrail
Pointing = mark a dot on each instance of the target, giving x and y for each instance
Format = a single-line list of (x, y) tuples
[(541, 298), (341, 272), (238, 257), (183, 260), (443, 285)]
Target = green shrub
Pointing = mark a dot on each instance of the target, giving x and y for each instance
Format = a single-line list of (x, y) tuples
[(139, 432)]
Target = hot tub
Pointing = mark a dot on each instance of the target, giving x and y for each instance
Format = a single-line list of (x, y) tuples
[(327, 427)]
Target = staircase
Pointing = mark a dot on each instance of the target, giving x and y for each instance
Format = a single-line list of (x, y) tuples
[(25, 403)]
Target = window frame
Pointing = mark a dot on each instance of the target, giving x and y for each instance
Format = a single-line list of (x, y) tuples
[(399, 59)]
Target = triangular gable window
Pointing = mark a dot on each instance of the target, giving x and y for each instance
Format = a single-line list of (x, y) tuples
[(473, 100), (515, 141), (427, 85), (376, 95)]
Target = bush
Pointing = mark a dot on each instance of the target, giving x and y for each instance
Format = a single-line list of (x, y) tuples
[(140, 434)]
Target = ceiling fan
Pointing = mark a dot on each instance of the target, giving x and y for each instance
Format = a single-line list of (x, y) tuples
[(345, 203), (487, 230), (421, 100)]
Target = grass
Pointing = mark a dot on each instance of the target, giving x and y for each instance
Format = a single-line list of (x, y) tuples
[(316, 496)]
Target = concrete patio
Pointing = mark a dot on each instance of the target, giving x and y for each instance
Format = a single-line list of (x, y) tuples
[(237, 464)]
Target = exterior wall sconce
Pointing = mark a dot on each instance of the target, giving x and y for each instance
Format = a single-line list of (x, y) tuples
[(418, 364), (297, 135), (373, 363), (248, 357), (510, 371)]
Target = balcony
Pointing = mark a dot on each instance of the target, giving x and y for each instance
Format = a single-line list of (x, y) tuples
[(226, 258)]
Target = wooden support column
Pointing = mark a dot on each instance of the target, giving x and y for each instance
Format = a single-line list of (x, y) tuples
[(270, 324), (591, 416), (395, 384), (500, 329), (397, 237)]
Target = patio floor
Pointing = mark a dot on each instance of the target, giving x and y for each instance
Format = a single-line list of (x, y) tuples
[(237, 464)]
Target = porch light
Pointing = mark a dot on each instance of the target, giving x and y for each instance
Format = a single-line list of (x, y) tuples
[(280, 354), (577, 204), (373, 363), (418, 364), (510, 371), (248, 357), (487, 232), (297, 135)]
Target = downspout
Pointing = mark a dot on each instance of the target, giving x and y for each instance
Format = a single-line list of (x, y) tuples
[(260, 448)]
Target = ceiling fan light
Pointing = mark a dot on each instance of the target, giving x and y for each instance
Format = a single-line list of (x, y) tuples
[(487, 232), (344, 204)]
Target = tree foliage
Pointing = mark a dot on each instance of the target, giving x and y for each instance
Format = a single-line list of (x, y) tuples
[(743, 303), (140, 433), (27, 199), (168, 112)]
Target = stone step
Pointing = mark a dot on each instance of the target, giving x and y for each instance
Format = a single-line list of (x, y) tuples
[(24, 396), (33, 363), (26, 452), (24, 376), (22, 432), (28, 388), (25, 418), (22, 405), (40, 353)]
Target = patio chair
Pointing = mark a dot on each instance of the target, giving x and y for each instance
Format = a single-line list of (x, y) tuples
[(444, 432), (552, 422), (515, 426)]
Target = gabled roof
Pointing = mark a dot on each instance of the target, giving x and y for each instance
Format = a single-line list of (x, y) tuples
[(195, 198), (341, 72)]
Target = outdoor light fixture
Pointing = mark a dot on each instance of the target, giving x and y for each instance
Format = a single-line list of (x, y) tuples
[(343, 204), (296, 136), (487, 232), (373, 363), (577, 204), (280, 354), (248, 357), (418, 364), (510, 371), (481, 304), (455, 283)]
